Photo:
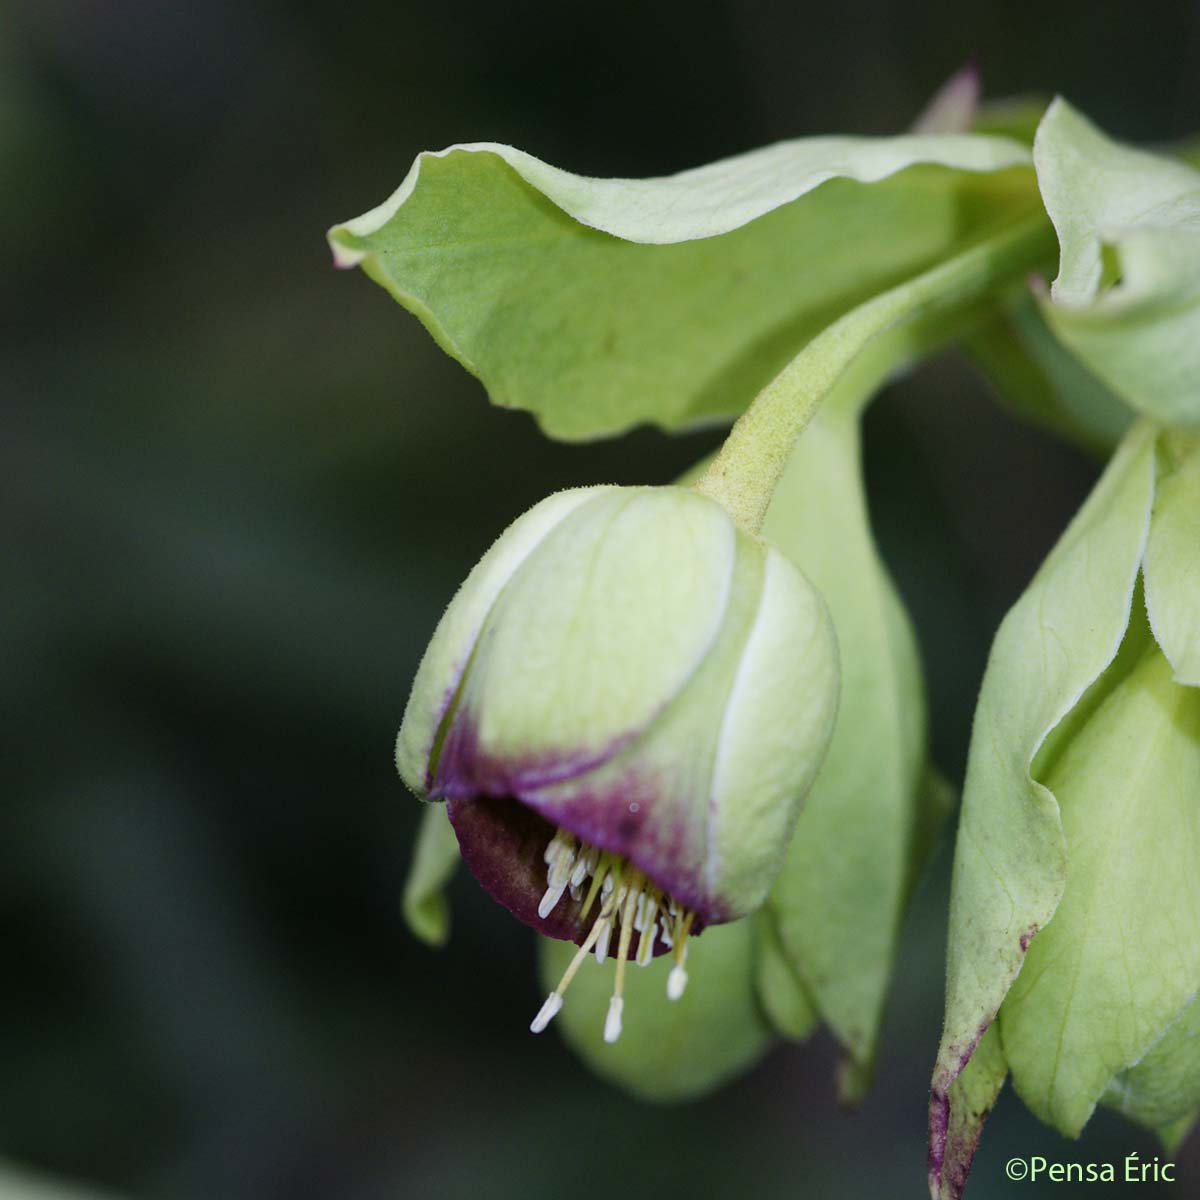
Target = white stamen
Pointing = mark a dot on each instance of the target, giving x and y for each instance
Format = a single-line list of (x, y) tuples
[(664, 931), (649, 930), (576, 892), (639, 913), (612, 1022), (558, 843), (560, 869), (550, 899), (602, 944), (580, 873), (676, 982), (546, 1013)]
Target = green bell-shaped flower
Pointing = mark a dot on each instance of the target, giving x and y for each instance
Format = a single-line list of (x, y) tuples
[(624, 707), (1075, 924)]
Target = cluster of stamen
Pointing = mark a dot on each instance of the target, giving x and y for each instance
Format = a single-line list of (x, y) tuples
[(628, 902)]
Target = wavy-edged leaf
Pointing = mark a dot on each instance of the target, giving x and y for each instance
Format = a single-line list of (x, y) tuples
[(1127, 296), (597, 304), (1010, 863)]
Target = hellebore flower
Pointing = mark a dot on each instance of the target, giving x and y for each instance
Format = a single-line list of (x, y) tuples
[(1075, 920), (623, 708)]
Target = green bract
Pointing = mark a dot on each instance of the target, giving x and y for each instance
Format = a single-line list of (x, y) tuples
[(1075, 921)]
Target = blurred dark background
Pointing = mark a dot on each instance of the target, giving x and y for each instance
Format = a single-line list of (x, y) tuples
[(237, 487)]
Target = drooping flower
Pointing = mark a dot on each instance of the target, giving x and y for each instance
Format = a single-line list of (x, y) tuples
[(623, 708)]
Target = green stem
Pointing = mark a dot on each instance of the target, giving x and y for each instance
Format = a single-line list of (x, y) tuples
[(896, 326)]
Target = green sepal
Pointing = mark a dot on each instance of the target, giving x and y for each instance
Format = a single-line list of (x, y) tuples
[(435, 856), (668, 1050), (781, 992)]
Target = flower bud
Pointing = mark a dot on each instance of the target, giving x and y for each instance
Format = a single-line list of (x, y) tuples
[(624, 707)]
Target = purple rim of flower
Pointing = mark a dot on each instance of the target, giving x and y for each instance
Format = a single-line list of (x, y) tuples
[(623, 816)]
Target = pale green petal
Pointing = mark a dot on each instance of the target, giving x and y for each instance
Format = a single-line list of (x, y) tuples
[(672, 760), (1121, 957), (435, 856), (668, 1051), (770, 753), (1010, 861), (1163, 1089), (839, 899), (563, 629), (1173, 565), (1127, 296), (597, 304), (441, 668)]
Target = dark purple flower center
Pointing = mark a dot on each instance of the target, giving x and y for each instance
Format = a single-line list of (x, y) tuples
[(568, 889)]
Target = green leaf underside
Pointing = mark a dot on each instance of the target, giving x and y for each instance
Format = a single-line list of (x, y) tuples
[(839, 898), (1010, 862), (667, 1051), (435, 857), (707, 284), (1127, 296), (1121, 958)]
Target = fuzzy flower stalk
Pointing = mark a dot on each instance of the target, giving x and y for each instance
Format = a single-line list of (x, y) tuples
[(623, 709)]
